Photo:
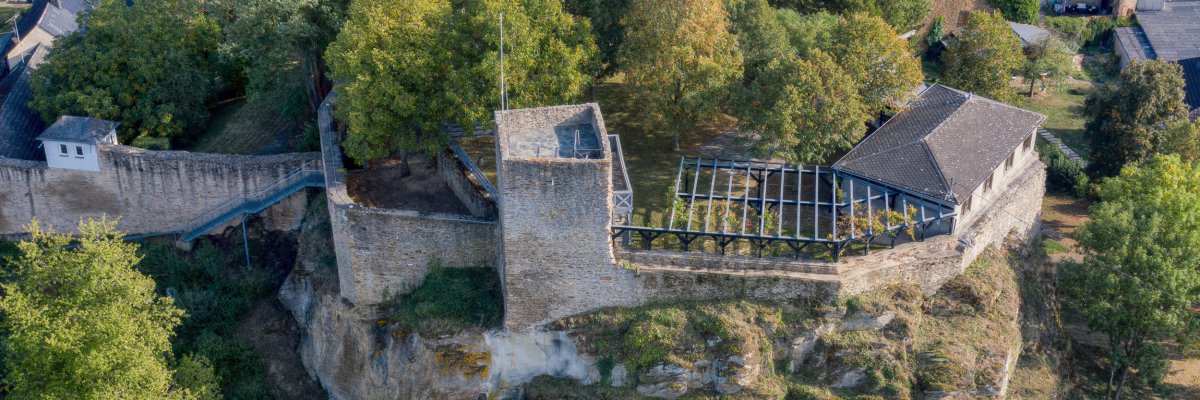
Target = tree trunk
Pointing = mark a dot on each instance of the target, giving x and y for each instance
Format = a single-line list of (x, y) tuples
[(1121, 383), (405, 169), (1031, 82), (675, 141)]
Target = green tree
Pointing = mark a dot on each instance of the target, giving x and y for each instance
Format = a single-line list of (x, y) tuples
[(1182, 139), (1140, 277), (82, 323), (984, 57), (878, 59), (804, 110), (1049, 61), (1018, 10), (145, 65), (403, 71), (937, 32), (807, 31), (605, 16), (1130, 116), (279, 44), (901, 14), (760, 36), (680, 59), (195, 378)]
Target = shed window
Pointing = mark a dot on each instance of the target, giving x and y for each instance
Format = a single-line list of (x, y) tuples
[(62, 148), (79, 150), (1028, 143), (966, 205), (987, 185), (1009, 162)]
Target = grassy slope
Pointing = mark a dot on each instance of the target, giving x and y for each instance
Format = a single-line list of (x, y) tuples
[(242, 128)]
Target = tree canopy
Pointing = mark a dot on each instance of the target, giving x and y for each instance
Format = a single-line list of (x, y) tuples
[(405, 70), (1140, 277), (605, 16), (82, 323), (804, 109), (681, 60), (878, 59), (146, 65), (278, 44), (901, 14), (1048, 61), (984, 57), (1131, 116)]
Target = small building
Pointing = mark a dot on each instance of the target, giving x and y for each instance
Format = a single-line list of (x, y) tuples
[(44, 22), (1029, 34), (949, 147), (72, 142), (1171, 34)]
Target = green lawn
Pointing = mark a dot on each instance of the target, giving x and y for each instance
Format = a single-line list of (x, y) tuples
[(1063, 108), (244, 127), (651, 163)]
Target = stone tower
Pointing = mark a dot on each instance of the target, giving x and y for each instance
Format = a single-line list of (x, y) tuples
[(555, 181)]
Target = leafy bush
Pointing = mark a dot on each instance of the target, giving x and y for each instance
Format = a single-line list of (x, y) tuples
[(450, 300), (1075, 31), (1025, 11), (1064, 174), (216, 290)]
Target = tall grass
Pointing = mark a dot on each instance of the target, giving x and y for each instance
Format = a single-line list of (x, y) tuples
[(450, 300)]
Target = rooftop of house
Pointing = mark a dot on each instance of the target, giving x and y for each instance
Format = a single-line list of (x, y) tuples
[(78, 130), (1173, 32), (943, 146), (570, 131), (56, 17), (19, 125)]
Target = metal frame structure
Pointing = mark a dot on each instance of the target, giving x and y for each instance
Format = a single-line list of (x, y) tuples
[(622, 195), (815, 196)]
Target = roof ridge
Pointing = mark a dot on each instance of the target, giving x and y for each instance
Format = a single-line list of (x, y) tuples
[(885, 123), (925, 145)]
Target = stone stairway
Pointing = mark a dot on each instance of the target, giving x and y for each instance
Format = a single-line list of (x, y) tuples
[(1058, 143)]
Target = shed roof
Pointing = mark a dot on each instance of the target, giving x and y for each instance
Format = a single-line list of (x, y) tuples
[(78, 130), (19, 125), (944, 146), (1029, 34)]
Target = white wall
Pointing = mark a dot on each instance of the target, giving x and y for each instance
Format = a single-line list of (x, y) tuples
[(35, 37), (1000, 178), (72, 159)]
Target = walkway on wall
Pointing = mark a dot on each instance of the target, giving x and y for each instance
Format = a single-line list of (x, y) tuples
[(291, 183)]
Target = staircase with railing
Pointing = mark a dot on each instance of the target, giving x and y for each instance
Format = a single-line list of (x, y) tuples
[(291, 183)]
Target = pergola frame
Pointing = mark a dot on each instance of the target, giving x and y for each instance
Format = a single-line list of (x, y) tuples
[(829, 195)]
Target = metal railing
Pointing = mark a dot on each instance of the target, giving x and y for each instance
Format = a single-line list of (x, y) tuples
[(290, 183)]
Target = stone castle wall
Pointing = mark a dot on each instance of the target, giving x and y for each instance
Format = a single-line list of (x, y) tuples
[(383, 251), (149, 191), (452, 172)]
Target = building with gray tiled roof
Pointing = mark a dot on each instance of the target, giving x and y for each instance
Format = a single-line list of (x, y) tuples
[(19, 125), (949, 146), (44, 22), (1172, 34)]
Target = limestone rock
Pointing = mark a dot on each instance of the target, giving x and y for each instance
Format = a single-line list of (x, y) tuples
[(863, 321), (617, 376), (850, 378)]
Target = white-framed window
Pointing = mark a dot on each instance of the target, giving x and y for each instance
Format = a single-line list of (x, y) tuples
[(78, 151), (62, 148), (1009, 162), (1028, 142), (966, 206), (987, 185)]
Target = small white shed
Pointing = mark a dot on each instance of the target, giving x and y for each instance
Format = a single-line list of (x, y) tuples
[(72, 142)]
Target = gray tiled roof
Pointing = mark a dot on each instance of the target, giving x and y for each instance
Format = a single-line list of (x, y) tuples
[(61, 20), (1191, 79), (1133, 39), (944, 146), (78, 130), (1175, 31), (18, 124)]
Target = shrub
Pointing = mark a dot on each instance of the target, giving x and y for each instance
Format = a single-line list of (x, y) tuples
[(450, 300), (1064, 174), (1017, 10), (1074, 30)]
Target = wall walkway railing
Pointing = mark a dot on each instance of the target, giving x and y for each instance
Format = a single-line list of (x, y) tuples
[(289, 184)]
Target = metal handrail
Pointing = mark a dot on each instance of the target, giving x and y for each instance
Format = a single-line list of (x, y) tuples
[(234, 203)]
